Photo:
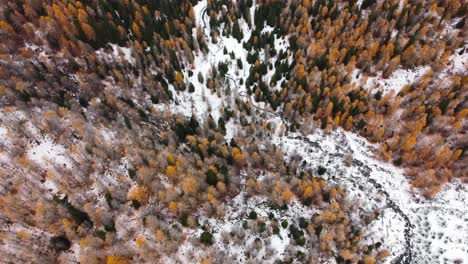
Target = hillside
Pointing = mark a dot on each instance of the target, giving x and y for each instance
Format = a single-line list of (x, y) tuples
[(238, 131)]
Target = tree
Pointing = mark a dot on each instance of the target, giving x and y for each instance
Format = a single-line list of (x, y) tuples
[(60, 243), (206, 238), (171, 171), (139, 194), (190, 185), (286, 196), (238, 156), (211, 177), (308, 192), (179, 78), (173, 208), (369, 260), (200, 77), (115, 259), (409, 143), (89, 31), (136, 30)]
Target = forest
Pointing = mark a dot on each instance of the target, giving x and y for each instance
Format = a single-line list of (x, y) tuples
[(154, 143)]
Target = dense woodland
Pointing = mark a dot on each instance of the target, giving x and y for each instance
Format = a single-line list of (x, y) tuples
[(62, 76)]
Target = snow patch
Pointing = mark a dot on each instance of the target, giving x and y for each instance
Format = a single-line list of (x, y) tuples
[(265, 247), (394, 82), (47, 153), (126, 52)]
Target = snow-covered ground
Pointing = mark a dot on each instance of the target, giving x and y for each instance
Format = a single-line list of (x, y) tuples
[(48, 153), (395, 82), (241, 239), (203, 102), (414, 229), (457, 64), (424, 231)]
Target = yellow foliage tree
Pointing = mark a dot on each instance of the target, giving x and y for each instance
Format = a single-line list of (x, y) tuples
[(136, 30), (190, 185), (369, 260), (171, 159), (159, 234), (409, 143), (346, 254), (238, 156), (286, 196), (171, 171), (23, 234), (140, 241), (138, 193), (6, 27), (173, 207), (329, 217), (179, 78), (308, 192), (114, 259), (89, 31)]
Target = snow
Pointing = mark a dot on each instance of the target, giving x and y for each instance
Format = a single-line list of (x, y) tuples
[(3, 141), (127, 52), (202, 101), (236, 212), (267, 29), (454, 255), (231, 130), (407, 224), (437, 229), (3, 134), (395, 82), (400, 77), (47, 153), (199, 10), (359, 3), (373, 184), (435, 226), (457, 65), (459, 62), (123, 53), (389, 229), (44, 151)]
